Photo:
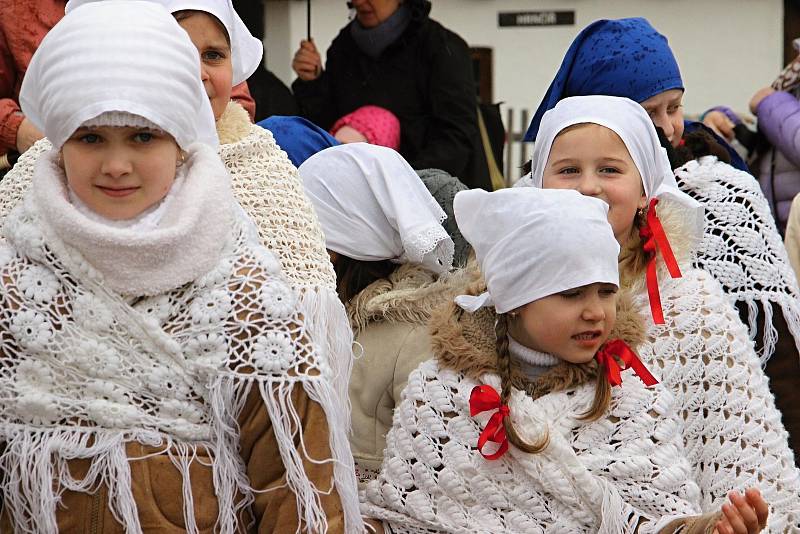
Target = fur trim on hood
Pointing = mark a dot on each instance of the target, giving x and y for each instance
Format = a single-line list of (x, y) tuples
[(234, 124), (410, 294)]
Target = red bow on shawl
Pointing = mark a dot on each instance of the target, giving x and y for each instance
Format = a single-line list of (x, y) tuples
[(615, 351), (485, 398), (655, 239)]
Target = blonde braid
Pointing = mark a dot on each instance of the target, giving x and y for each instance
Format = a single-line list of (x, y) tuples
[(504, 368)]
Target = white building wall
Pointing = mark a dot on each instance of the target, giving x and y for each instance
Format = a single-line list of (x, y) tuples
[(727, 49)]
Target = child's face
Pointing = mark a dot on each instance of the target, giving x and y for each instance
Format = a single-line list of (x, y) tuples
[(593, 160), (119, 172), (216, 67), (348, 134), (572, 324), (666, 112)]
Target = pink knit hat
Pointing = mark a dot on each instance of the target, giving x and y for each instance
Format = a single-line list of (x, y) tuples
[(379, 125)]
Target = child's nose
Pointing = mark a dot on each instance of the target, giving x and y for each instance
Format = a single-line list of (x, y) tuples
[(593, 311), (589, 185), (116, 165)]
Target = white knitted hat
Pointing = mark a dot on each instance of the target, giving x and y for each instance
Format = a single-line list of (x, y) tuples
[(118, 55), (246, 50)]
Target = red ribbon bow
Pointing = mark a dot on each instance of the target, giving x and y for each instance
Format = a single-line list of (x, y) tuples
[(484, 398), (655, 239), (615, 350)]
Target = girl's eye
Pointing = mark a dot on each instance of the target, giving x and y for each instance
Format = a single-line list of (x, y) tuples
[(569, 170), (609, 170), (90, 138), (571, 293), (608, 292), (143, 137), (672, 109), (213, 55)]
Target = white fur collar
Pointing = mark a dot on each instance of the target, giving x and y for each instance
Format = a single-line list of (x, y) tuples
[(186, 244)]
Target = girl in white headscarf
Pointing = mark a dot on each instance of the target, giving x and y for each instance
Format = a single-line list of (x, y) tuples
[(695, 339), (384, 234), (263, 180), (157, 374), (525, 421)]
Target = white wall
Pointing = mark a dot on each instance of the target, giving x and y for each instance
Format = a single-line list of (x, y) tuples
[(727, 49)]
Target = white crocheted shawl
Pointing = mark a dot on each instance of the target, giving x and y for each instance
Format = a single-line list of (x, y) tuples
[(732, 435), (266, 184), (741, 246), (624, 473), (85, 369)]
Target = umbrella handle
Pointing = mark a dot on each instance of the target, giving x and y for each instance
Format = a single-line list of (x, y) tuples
[(308, 19)]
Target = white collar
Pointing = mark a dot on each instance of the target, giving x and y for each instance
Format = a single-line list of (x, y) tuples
[(531, 362)]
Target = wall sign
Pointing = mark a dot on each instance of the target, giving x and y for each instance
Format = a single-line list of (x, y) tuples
[(510, 19)]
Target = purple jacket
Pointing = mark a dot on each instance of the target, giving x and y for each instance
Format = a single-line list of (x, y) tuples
[(779, 168)]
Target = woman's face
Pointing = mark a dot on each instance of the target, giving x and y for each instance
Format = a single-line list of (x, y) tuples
[(119, 172), (216, 67), (594, 161), (572, 324), (371, 13), (666, 112)]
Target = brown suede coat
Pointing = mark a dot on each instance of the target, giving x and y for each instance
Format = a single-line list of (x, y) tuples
[(157, 485)]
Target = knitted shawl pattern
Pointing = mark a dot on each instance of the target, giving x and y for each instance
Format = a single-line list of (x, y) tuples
[(741, 247), (609, 475), (267, 187), (433, 478), (84, 369)]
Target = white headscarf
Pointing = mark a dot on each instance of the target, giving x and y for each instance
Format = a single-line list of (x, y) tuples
[(118, 55), (633, 125), (372, 206), (246, 50), (532, 243)]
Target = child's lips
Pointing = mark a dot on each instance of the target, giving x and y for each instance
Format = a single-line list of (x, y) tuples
[(118, 192), (588, 338)]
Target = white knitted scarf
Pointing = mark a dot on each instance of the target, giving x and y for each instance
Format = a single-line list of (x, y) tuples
[(266, 185), (85, 369), (741, 246)]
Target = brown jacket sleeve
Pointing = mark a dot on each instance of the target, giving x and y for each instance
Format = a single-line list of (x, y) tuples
[(695, 524), (276, 510)]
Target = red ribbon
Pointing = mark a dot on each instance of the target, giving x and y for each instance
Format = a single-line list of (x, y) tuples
[(484, 398), (615, 351), (655, 239)]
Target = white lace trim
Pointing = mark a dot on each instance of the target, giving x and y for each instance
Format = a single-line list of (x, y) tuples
[(741, 246)]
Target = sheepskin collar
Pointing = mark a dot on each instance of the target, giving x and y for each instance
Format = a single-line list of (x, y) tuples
[(234, 124), (409, 294)]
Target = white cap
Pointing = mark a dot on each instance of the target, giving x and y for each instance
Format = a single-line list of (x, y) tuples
[(373, 206), (246, 50), (532, 243), (118, 55), (633, 125)]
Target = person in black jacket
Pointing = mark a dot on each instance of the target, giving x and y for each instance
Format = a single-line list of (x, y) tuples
[(394, 56)]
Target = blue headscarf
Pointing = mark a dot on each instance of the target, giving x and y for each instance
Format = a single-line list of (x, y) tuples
[(625, 57), (299, 138)]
